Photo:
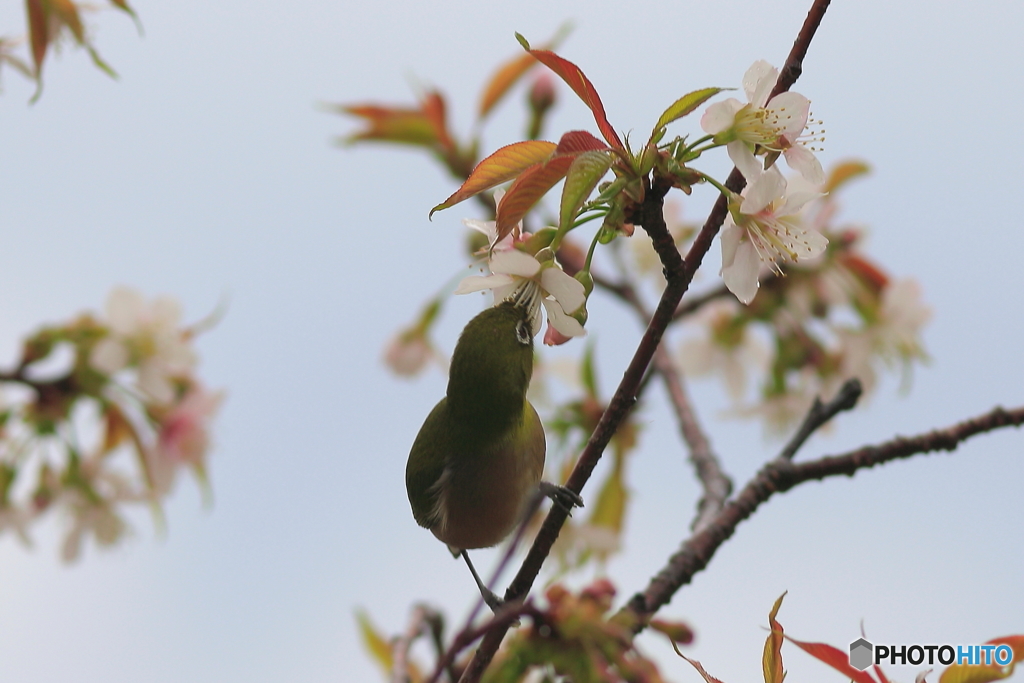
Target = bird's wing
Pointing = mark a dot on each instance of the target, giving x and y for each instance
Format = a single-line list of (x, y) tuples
[(425, 471)]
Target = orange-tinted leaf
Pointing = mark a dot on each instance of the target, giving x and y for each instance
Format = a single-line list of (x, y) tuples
[(771, 660), (509, 73), (677, 631), (393, 124), (581, 85), (67, 13), (123, 5), (38, 29), (584, 174), (844, 172), (502, 82), (686, 104), (577, 142), (434, 110), (116, 428), (962, 673), (378, 646), (696, 665), (527, 190), (834, 657), (8, 57), (868, 272), (504, 165)]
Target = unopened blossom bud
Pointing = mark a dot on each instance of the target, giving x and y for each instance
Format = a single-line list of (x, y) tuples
[(540, 239), (408, 353), (580, 314), (587, 280), (541, 98), (542, 93), (545, 255)]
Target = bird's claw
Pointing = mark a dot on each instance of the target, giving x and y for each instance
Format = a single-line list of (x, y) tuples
[(561, 496)]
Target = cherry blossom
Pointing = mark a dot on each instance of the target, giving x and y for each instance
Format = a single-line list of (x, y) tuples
[(148, 336), (776, 126), (183, 436), (763, 228), (518, 274)]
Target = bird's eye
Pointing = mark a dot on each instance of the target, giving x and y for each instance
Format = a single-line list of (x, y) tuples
[(523, 332)]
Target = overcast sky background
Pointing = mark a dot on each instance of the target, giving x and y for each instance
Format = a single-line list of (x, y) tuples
[(207, 172)]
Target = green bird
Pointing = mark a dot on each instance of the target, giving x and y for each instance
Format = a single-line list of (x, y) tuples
[(475, 467)]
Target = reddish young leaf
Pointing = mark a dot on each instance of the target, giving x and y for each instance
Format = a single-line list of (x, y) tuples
[(771, 660), (527, 190), (393, 124), (67, 13), (578, 141), (434, 110), (509, 73), (696, 665), (505, 164), (38, 29), (581, 85), (123, 5), (834, 657), (502, 82)]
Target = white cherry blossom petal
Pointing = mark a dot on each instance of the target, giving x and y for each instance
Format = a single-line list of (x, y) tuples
[(485, 227), (803, 161), (741, 275), (477, 283), (730, 239), (720, 116), (568, 291), (744, 159), (789, 113), (802, 244), (108, 356), (763, 190), (125, 307), (758, 82), (565, 324), (797, 200), (514, 262)]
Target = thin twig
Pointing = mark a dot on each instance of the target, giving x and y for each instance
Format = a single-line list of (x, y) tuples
[(402, 644), (820, 413), (780, 475), (715, 483)]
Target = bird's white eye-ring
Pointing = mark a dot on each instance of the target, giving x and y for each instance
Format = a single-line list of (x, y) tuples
[(523, 332)]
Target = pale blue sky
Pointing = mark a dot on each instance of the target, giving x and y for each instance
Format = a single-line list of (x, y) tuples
[(207, 171)]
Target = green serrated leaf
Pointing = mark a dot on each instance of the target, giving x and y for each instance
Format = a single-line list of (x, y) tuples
[(583, 176), (685, 105)]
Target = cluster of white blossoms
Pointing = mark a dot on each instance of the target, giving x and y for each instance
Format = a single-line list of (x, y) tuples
[(761, 229), (134, 370)]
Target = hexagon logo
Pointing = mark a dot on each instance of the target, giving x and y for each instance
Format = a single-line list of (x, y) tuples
[(861, 652)]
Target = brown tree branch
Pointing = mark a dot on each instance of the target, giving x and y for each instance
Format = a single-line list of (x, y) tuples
[(820, 413), (678, 274), (781, 475), (715, 483)]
